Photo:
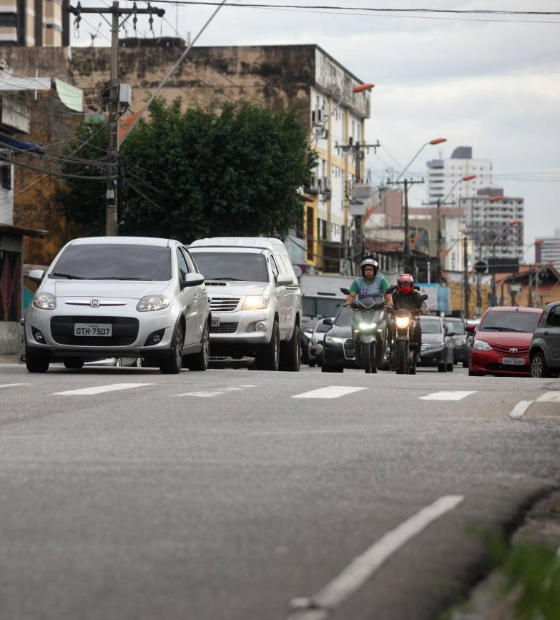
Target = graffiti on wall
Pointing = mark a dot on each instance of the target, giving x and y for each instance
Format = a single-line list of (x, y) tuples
[(10, 286)]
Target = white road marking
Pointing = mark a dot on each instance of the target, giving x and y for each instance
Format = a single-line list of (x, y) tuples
[(355, 575), (519, 410), (549, 397), (333, 391), (216, 392), (447, 395), (115, 387), (12, 385)]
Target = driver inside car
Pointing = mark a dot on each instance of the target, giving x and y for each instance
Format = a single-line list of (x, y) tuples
[(371, 284)]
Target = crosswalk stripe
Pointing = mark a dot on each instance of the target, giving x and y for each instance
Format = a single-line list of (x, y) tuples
[(549, 397), (519, 410), (100, 389), (12, 385), (216, 392), (447, 395), (333, 391)]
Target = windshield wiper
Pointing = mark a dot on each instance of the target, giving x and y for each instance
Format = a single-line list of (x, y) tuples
[(228, 279), (121, 278), (498, 329), (57, 274)]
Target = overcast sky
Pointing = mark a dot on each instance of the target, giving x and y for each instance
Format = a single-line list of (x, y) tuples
[(492, 85)]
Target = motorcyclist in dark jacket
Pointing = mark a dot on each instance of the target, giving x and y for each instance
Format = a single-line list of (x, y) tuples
[(405, 297)]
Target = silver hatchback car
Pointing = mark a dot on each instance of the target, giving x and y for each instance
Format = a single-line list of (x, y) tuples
[(119, 297)]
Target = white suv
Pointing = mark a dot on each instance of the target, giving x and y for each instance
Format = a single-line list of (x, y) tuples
[(119, 297), (254, 298)]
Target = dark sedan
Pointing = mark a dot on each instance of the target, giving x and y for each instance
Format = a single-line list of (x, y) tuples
[(544, 354), (437, 343), (338, 345)]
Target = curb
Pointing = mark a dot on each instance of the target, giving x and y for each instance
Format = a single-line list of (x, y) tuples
[(486, 601)]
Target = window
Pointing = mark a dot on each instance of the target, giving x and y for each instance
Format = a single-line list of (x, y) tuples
[(6, 177), (182, 264), (274, 268), (554, 317), (8, 20)]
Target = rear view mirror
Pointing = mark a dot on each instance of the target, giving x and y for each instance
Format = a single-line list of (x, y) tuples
[(417, 287), (327, 321), (36, 275), (423, 297), (470, 328), (345, 291), (193, 279), (451, 333), (284, 279)]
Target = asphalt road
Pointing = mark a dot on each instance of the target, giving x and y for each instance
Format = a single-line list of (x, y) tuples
[(226, 495)]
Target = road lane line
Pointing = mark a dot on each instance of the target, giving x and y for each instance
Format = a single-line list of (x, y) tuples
[(355, 575), (519, 410), (333, 391), (216, 392), (549, 397), (447, 395), (13, 385), (101, 389)]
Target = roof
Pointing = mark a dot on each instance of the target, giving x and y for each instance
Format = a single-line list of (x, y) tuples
[(23, 232), (514, 309), (154, 241), (264, 243)]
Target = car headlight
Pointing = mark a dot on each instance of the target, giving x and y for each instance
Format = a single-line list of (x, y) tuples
[(402, 322), (44, 301), (426, 346), (151, 303), (481, 345), (336, 339), (366, 326), (255, 302)]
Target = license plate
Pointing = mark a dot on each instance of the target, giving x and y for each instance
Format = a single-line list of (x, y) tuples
[(514, 361), (93, 329), (215, 322)]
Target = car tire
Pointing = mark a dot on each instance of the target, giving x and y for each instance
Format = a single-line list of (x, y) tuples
[(442, 367), (331, 367), (74, 363), (172, 365), (539, 367), (268, 358), (36, 363), (311, 364), (465, 364), (199, 361), (290, 353), (450, 367)]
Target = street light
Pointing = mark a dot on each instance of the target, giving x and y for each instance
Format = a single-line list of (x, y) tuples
[(431, 142)]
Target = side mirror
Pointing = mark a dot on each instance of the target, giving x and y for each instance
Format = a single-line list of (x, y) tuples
[(192, 279), (451, 333), (36, 275), (284, 279), (327, 321), (345, 291), (470, 328), (423, 297)]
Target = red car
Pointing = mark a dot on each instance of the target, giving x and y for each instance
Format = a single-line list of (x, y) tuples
[(501, 341)]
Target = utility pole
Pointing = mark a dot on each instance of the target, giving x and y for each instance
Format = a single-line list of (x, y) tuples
[(111, 211), (466, 276), (407, 262)]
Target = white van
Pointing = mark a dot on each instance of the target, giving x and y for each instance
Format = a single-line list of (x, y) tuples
[(254, 298)]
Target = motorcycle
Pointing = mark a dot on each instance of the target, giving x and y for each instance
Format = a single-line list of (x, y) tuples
[(402, 357), (369, 330)]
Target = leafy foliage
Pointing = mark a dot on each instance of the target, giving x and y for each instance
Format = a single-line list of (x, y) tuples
[(200, 172)]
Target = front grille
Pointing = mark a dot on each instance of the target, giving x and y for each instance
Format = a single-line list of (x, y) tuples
[(125, 331), (349, 349), (521, 351), (224, 328), (224, 304), (508, 367)]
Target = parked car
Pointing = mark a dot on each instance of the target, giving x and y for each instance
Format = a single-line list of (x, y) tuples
[(460, 349), (254, 298), (501, 341), (544, 353), (437, 343), (338, 344), (119, 297), (315, 353)]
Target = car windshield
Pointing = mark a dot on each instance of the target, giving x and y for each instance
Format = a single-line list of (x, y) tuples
[(514, 321), (344, 318), (107, 261), (232, 266), (458, 327), (429, 326), (321, 307)]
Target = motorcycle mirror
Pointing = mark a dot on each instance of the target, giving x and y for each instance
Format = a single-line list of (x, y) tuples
[(417, 287), (423, 297), (345, 291)]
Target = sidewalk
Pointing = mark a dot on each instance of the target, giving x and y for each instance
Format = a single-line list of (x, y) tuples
[(9, 359)]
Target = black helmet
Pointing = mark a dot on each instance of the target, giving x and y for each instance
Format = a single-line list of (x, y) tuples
[(367, 262)]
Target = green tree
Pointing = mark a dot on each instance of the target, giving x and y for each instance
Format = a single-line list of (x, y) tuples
[(203, 172)]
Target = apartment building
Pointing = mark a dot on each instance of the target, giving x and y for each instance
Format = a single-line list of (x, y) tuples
[(34, 23)]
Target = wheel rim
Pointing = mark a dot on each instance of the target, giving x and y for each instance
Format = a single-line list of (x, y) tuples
[(537, 367)]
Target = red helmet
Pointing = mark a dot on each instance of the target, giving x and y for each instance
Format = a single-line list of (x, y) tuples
[(405, 283)]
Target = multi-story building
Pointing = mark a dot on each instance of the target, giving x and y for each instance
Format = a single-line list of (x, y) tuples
[(443, 174), (547, 249), (34, 23), (495, 223)]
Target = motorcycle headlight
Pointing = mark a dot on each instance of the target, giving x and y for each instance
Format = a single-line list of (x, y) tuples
[(44, 301), (255, 302), (481, 345), (402, 322), (366, 326), (150, 303)]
